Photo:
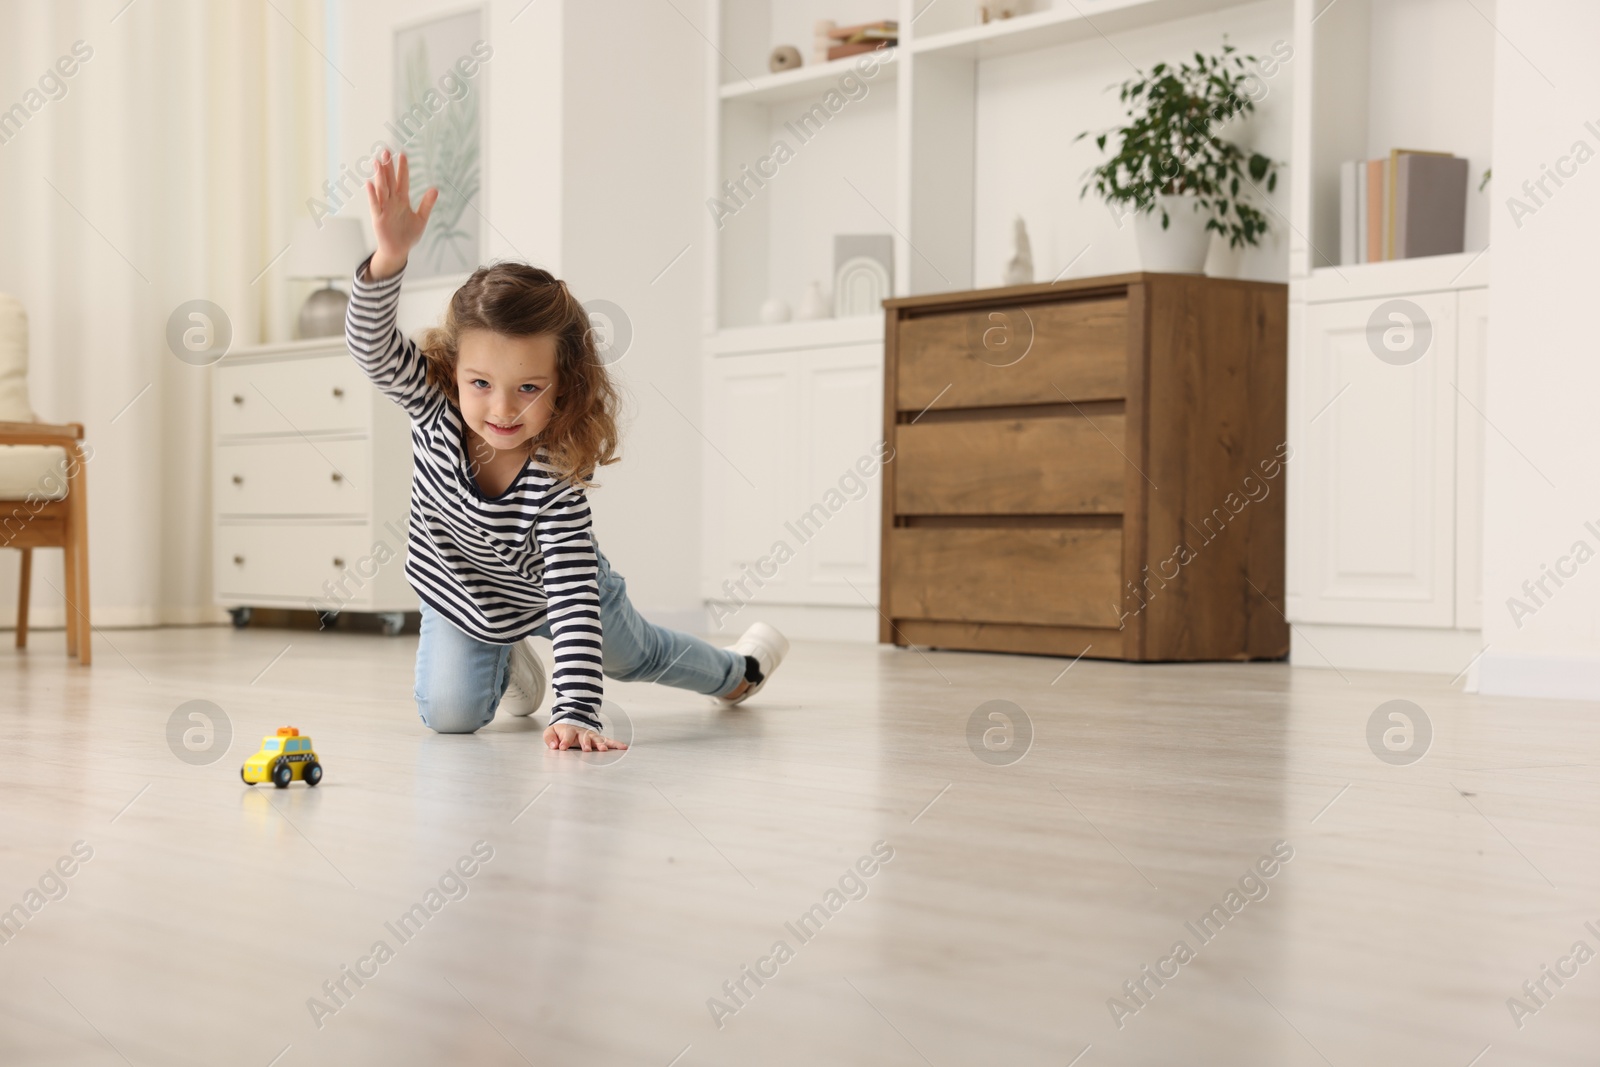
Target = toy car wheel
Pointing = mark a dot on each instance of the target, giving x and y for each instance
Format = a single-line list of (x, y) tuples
[(313, 773), (282, 774), (243, 779)]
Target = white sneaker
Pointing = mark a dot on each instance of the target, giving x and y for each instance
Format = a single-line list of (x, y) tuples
[(768, 647), (525, 692)]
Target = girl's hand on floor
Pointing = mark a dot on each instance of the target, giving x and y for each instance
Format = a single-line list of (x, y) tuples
[(396, 227), (565, 735)]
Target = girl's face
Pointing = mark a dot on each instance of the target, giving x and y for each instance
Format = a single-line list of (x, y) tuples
[(507, 385)]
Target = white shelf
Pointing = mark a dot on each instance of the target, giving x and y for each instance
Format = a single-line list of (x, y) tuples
[(815, 333), (1062, 25), (1396, 277), (799, 84)]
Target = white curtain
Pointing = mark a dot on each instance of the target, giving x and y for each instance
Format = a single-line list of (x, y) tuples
[(166, 167)]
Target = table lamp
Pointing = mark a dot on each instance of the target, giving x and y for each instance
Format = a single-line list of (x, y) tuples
[(327, 251)]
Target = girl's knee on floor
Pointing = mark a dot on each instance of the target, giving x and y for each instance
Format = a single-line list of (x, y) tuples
[(454, 712)]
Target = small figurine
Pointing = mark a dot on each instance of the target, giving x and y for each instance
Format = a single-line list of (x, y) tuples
[(993, 11), (775, 310), (1020, 270), (784, 57), (814, 305), (284, 758)]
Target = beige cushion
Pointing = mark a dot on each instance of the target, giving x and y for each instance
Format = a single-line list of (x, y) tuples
[(13, 361), (39, 470)]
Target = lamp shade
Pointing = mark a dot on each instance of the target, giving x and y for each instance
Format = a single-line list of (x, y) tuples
[(332, 250)]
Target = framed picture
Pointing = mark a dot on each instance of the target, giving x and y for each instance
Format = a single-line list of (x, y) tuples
[(863, 273), (438, 121)]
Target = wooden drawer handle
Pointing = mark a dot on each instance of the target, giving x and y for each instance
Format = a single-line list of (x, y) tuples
[(238, 561), (338, 561), (336, 476), (237, 399), (238, 479), (337, 391)]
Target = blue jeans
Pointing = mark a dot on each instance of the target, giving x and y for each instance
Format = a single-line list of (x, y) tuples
[(460, 679)]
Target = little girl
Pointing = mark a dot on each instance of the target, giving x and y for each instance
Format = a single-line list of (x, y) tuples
[(511, 413)]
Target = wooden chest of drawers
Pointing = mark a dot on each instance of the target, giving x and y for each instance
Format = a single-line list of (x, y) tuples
[(1089, 467)]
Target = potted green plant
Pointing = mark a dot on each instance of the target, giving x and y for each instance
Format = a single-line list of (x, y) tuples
[(1171, 162)]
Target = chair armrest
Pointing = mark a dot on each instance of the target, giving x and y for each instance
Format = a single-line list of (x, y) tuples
[(40, 433)]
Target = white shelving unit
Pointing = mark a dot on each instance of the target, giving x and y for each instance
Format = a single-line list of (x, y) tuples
[(906, 156), (795, 84), (1384, 525), (1049, 27)]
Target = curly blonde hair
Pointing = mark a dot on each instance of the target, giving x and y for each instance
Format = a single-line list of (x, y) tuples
[(516, 300)]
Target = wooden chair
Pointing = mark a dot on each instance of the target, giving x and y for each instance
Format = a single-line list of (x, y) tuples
[(35, 520), (43, 491)]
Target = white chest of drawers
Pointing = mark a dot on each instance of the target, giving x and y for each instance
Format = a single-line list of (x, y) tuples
[(311, 484)]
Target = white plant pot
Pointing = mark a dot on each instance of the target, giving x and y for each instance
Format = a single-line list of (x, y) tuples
[(1181, 248)]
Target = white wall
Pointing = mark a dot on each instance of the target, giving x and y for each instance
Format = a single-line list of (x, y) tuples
[(1543, 372), (521, 114), (594, 137), (634, 150)]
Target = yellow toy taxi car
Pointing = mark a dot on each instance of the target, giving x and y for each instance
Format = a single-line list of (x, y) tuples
[(284, 758)]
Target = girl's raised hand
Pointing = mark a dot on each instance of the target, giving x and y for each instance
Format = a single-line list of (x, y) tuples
[(396, 226)]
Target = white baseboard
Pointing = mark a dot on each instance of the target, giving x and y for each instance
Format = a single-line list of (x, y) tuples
[(808, 622), (1414, 649), (123, 618), (1553, 677)]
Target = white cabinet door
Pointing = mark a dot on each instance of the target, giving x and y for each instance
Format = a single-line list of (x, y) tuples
[(750, 469), (791, 517), (839, 511), (1373, 465), (1473, 325)]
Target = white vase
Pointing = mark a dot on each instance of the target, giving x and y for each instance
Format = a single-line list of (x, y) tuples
[(1180, 248), (814, 305)]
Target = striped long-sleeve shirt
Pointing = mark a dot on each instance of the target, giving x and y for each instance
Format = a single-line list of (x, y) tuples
[(495, 567)]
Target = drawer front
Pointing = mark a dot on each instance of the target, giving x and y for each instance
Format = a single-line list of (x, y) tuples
[(1042, 577), (293, 476), (1014, 355), (289, 564), (322, 395), (1063, 465)]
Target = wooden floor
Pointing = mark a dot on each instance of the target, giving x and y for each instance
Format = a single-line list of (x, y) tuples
[(622, 893)]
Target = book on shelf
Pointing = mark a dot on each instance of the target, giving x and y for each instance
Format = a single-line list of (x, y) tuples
[(1431, 211), (1392, 198), (1376, 186), (884, 30), (1412, 203), (1349, 208), (864, 37), (841, 51)]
